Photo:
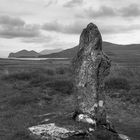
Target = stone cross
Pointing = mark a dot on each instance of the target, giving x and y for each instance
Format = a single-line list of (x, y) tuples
[(91, 66)]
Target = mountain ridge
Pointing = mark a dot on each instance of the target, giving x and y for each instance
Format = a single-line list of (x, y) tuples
[(24, 54), (121, 54), (31, 54), (107, 47)]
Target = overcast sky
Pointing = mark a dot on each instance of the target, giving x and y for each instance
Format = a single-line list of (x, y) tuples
[(49, 24)]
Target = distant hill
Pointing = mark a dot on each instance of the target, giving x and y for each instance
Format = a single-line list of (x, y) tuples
[(24, 54), (46, 51), (118, 53), (68, 53)]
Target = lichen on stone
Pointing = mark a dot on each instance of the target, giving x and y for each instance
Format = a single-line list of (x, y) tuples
[(50, 130), (91, 66)]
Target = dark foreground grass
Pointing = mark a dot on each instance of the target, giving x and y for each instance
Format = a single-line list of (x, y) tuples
[(30, 92), (26, 93), (124, 83)]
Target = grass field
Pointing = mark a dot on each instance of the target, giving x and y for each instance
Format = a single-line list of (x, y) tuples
[(32, 88)]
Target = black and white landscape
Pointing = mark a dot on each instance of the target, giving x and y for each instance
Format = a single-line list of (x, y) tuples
[(39, 41)]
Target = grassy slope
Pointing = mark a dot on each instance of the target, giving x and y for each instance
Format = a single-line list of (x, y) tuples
[(32, 88)]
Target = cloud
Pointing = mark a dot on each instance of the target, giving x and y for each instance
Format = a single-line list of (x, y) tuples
[(51, 2), (74, 28), (77, 27), (132, 10), (119, 29), (73, 3), (104, 11), (6, 20), (16, 28), (39, 39)]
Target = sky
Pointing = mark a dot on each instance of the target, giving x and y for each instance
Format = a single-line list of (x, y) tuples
[(52, 24)]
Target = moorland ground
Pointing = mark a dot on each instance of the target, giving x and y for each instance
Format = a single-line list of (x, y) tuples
[(29, 89)]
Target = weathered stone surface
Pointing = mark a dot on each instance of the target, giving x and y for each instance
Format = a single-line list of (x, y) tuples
[(50, 131), (91, 65)]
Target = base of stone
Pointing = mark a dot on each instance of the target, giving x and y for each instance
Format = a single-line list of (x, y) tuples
[(65, 128)]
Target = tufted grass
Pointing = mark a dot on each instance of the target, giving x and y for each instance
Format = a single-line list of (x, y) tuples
[(28, 89)]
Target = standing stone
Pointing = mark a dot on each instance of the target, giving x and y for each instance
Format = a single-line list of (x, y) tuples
[(91, 66)]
